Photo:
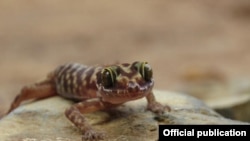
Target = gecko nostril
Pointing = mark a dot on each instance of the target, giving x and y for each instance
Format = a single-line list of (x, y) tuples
[(132, 86)]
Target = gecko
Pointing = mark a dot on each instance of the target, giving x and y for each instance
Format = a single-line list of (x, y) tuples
[(94, 88)]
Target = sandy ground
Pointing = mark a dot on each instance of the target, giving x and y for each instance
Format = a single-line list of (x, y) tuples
[(36, 36)]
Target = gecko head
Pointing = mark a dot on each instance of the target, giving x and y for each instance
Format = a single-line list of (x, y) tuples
[(125, 82)]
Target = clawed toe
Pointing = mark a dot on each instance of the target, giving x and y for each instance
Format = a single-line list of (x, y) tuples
[(92, 136), (158, 108)]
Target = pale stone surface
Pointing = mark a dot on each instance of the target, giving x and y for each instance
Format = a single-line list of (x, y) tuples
[(45, 120), (236, 103), (231, 98)]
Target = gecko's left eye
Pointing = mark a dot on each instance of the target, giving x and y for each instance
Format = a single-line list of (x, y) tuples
[(108, 77), (145, 70)]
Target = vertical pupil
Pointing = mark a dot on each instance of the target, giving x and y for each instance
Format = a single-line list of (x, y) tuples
[(108, 79), (107, 76), (145, 70), (148, 72)]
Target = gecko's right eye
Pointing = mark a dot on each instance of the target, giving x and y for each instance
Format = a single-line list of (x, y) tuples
[(145, 70), (108, 77)]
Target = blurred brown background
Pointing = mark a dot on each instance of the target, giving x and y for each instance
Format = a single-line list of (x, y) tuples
[(37, 36)]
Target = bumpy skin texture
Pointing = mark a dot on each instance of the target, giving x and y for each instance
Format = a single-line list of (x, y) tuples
[(94, 88)]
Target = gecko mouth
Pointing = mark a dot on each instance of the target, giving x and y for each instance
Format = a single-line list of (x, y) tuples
[(130, 92)]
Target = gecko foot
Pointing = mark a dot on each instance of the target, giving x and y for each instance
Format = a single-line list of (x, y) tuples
[(158, 108), (92, 135)]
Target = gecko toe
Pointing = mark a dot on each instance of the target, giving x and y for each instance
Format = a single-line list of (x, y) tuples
[(158, 108), (92, 136)]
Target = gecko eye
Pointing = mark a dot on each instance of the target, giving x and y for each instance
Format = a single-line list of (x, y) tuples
[(108, 77), (145, 70)]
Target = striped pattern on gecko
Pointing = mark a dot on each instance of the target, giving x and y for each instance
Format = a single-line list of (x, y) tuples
[(109, 86)]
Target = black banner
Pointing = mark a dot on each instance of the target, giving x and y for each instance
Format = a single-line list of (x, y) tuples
[(199, 132)]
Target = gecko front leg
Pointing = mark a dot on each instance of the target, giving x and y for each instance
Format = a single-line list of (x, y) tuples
[(155, 106), (74, 114)]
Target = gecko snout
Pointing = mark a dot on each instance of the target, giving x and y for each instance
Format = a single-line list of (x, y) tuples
[(133, 86)]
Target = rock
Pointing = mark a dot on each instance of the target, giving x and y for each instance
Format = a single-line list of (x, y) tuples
[(236, 104), (229, 97), (45, 120)]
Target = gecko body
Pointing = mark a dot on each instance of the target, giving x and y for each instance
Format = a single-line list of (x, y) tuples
[(109, 86)]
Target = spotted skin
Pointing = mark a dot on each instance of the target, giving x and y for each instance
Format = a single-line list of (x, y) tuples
[(94, 88)]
